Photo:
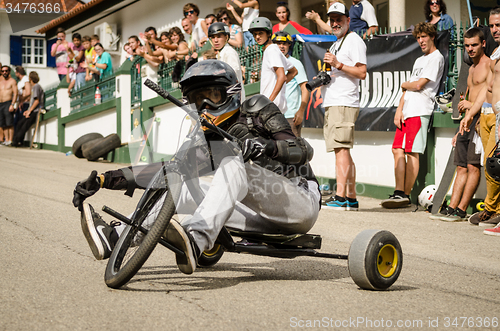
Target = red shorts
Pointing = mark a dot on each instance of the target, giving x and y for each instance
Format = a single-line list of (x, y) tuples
[(412, 137)]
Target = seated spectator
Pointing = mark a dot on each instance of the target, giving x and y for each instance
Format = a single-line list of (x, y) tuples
[(321, 26), (283, 15), (200, 29), (250, 11), (236, 35), (103, 66), (29, 116)]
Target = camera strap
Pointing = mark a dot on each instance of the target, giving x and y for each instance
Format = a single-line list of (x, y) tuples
[(341, 43)]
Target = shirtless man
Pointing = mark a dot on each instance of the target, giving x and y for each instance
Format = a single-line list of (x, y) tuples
[(8, 94), (467, 160), (490, 216)]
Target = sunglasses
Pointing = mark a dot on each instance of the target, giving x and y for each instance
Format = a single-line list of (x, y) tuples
[(5, 70), (225, 18), (186, 13), (434, 3)]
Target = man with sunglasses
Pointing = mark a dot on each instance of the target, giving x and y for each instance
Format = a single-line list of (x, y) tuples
[(8, 105), (200, 28), (256, 190)]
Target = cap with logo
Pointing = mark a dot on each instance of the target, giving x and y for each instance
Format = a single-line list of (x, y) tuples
[(338, 8)]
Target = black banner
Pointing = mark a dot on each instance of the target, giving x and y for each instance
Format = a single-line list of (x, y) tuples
[(390, 61)]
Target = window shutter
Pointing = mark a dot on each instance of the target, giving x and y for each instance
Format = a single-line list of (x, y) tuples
[(16, 50), (51, 61)]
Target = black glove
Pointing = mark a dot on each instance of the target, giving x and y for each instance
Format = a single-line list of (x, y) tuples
[(256, 147), (85, 189)]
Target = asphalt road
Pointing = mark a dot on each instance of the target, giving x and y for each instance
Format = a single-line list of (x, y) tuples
[(49, 279)]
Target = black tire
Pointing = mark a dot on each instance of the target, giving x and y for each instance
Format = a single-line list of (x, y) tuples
[(375, 259), (126, 259), (77, 145), (89, 144), (211, 257), (94, 151)]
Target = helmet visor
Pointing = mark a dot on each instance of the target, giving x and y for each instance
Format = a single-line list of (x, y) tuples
[(209, 98)]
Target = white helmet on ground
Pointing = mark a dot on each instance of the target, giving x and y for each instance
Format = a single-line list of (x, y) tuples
[(426, 197)]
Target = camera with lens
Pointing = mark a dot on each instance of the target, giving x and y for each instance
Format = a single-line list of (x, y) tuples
[(323, 78)]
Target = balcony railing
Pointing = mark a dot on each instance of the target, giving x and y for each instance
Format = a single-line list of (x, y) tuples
[(51, 99), (84, 97)]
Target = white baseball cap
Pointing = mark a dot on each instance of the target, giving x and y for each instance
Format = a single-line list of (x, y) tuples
[(338, 8)]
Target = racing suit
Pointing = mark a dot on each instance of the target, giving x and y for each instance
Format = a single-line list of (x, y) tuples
[(274, 193)]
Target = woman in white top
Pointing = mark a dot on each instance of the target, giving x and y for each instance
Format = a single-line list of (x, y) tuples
[(250, 11)]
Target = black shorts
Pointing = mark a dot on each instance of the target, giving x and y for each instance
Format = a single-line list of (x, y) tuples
[(465, 149), (6, 117)]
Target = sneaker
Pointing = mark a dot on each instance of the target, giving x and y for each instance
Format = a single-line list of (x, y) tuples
[(443, 212), (396, 201), (335, 204), (481, 216), (352, 205), (177, 236), (457, 215), (101, 236), (492, 222), (493, 232)]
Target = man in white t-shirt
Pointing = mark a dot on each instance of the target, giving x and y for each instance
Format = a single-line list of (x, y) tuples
[(219, 33), (297, 94), (200, 28), (274, 64), (23, 93), (413, 115), (347, 58)]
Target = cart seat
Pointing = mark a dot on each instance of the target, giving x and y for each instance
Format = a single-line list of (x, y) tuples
[(297, 240)]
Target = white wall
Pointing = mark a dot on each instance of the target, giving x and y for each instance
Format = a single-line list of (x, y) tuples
[(103, 123)]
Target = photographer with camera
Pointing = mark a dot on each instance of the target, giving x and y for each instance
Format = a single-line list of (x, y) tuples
[(347, 58)]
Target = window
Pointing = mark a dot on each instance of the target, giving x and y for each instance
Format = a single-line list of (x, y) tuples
[(33, 51)]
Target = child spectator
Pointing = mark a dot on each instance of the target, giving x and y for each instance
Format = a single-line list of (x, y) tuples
[(235, 33), (29, 116), (60, 50), (274, 64), (90, 57), (94, 40), (250, 12), (200, 29), (76, 72)]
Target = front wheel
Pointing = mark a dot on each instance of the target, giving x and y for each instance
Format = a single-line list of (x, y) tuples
[(133, 247), (375, 259)]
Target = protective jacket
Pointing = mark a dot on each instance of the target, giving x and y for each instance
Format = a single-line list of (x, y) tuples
[(258, 118)]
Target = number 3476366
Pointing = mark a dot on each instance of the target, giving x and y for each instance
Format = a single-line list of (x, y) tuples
[(32, 8)]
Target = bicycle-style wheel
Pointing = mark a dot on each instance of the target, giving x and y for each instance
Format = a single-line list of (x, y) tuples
[(134, 248)]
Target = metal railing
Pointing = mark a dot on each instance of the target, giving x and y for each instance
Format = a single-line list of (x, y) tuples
[(84, 97), (50, 102), (170, 74), (136, 81)]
